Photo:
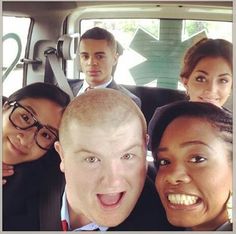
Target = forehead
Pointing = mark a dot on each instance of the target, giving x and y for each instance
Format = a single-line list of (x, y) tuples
[(216, 62), (108, 134), (46, 111), (92, 45), (194, 129)]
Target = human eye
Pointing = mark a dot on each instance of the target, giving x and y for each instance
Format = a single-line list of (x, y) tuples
[(26, 118), (100, 56), (92, 159), (163, 162), (84, 56), (198, 159), (200, 78), (47, 135), (223, 81), (127, 156)]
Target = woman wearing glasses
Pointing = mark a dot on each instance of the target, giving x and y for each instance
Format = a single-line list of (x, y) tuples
[(31, 118)]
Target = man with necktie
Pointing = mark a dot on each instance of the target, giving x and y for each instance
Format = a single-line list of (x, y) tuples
[(98, 56)]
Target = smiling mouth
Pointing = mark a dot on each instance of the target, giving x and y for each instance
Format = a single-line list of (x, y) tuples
[(110, 200), (182, 199), (210, 100)]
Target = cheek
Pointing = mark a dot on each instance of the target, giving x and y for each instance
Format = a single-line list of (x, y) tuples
[(7, 126), (208, 182), (159, 181), (36, 152), (226, 91)]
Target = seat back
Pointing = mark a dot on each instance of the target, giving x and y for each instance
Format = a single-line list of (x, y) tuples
[(153, 97)]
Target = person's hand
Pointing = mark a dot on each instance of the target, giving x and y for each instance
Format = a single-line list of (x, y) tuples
[(7, 170)]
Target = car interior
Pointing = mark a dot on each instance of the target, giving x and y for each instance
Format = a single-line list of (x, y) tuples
[(54, 28)]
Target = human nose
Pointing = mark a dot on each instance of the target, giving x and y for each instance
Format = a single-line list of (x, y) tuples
[(26, 137), (178, 175), (112, 174), (212, 87), (92, 60)]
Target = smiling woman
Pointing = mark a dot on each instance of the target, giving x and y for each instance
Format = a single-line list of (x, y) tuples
[(189, 163), (207, 71), (31, 118)]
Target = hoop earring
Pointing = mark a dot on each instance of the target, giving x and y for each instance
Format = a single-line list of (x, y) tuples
[(229, 207)]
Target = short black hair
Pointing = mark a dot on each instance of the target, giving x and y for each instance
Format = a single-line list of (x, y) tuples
[(97, 33), (41, 90)]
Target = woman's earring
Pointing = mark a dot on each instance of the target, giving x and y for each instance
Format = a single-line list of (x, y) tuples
[(229, 207)]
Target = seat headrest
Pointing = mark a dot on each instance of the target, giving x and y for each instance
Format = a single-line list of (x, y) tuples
[(67, 46)]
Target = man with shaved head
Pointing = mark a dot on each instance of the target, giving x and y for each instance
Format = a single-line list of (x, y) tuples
[(102, 145)]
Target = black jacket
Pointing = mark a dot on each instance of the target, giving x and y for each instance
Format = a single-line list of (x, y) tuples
[(76, 85)]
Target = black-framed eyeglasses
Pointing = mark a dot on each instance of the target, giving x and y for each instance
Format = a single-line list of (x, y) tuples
[(23, 119)]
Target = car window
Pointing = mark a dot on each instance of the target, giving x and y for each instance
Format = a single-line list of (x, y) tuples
[(152, 46), (15, 31)]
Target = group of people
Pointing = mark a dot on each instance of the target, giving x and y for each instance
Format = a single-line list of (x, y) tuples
[(81, 164)]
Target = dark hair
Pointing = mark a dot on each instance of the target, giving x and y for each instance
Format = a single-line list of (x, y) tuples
[(219, 118), (206, 48), (4, 99), (41, 90), (97, 33)]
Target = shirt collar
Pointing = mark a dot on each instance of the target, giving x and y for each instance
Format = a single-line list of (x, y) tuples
[(65, 217), (86, 85)]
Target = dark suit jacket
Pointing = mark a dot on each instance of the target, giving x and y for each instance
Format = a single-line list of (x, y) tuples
[(21, 198), (148, 214), (21, 193), (76, 85)]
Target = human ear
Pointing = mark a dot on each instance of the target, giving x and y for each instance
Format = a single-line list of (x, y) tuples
[(184, 81), (116, 57), (59, 150), (5, 105)]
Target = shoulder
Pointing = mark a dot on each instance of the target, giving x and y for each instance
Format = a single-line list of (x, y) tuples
[(114, 85), (75, 85)]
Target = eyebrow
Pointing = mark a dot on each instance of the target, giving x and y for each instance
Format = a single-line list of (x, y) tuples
[(35, 114), (206, 73), (187, 143), (31, 110), (96, 53), (92, 152)]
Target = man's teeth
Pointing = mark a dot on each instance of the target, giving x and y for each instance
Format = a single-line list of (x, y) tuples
[(182, 199)]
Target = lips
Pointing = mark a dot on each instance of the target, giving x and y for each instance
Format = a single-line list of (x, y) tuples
[(110, 200), (93, 72), (214, 101)]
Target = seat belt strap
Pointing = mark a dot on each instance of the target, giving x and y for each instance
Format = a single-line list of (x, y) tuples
[(52, 60)]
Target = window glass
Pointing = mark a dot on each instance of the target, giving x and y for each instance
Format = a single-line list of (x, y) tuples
[(153, 48), (15, 31)]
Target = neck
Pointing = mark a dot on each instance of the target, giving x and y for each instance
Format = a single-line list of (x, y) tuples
[(77, 219)]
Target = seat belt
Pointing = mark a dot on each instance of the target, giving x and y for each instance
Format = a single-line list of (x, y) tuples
[(53, 72)]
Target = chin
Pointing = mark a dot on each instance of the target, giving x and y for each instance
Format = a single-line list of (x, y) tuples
[(109, 221)]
